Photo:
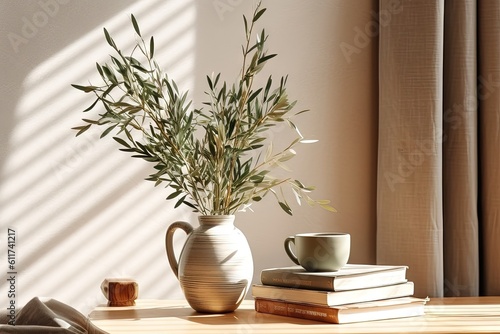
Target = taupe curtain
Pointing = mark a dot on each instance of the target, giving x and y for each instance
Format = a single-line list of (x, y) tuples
[(438, 195)]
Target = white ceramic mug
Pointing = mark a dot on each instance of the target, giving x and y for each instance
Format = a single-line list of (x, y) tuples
[(319, 251)]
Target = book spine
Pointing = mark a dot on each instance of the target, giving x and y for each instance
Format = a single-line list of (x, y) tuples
[(292, 281), (309, 312)]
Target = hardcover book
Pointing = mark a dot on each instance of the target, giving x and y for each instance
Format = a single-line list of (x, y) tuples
[(343, 314), (332, 298), (350, 277)]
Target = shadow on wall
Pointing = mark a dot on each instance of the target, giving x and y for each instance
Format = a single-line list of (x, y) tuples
[(81, 209), (71, 201)]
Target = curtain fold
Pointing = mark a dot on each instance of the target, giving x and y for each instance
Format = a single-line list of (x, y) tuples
[(489, 144), (409, 192), (438, 186), (460, 145)]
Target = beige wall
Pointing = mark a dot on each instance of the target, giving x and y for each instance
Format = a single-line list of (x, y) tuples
[(81, 209)]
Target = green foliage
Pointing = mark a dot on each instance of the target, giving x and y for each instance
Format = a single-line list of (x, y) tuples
[(214, 159)]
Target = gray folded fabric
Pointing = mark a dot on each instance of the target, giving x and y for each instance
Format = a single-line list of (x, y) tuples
[(49, 317)]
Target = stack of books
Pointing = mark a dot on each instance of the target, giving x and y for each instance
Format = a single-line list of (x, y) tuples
[(355, 293)]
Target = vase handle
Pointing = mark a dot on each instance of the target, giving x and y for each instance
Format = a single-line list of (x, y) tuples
[(169, 243), (288, 249)]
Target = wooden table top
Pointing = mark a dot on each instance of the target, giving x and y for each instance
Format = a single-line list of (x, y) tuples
[(442, 315)]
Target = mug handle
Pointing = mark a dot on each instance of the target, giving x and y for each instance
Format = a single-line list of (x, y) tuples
[(169, 243), (288, 249)]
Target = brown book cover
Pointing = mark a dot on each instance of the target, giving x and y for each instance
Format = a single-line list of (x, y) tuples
[(350, 313)]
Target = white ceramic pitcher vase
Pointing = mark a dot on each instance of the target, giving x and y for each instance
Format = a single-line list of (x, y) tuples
[(215, 266)]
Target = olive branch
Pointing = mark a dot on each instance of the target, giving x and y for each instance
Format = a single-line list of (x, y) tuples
[(214, 159)]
